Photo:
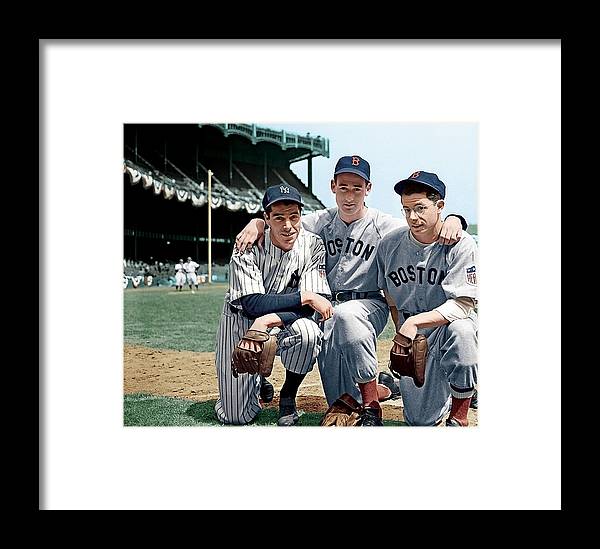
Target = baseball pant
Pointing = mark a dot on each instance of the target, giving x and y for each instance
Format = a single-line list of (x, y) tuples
[(452, 360), (298, 346), (349, 352)]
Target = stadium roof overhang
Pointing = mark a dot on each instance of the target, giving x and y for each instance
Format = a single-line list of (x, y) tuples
[(296, 147)]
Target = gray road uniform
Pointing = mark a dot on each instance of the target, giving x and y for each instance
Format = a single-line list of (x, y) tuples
[(348, 354), (268, 270), (422, 278)]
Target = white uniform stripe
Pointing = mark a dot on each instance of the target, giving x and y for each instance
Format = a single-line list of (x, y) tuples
[(299, 345)]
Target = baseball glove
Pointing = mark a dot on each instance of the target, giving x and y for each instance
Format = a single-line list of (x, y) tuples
[(344, 412), (246, 361), (411, 359)]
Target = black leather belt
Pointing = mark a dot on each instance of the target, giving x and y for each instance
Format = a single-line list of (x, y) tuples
[(347, 295)]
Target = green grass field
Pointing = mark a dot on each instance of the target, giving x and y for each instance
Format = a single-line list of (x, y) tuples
[(164, 318), (182, 321), (153, 411)]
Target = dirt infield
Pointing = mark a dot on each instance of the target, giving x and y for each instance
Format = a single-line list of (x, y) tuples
[(192, 375)]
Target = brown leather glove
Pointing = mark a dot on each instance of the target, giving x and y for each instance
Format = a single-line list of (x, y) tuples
[(344, 412), (246, 361), (410, 358)]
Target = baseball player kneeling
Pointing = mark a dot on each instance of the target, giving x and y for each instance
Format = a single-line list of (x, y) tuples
[(432, 291), (352, 233), (281, 284)]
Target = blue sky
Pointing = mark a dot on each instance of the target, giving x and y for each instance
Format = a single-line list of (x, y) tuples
[(394, 151)]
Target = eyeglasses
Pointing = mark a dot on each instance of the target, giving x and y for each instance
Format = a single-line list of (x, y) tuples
[(419, 210)]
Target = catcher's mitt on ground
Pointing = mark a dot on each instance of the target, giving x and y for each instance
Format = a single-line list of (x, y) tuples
[(344, 412), (411, 359), (259, 361)]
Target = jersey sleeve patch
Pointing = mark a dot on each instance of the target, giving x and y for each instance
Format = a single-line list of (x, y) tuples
[(471, 275)]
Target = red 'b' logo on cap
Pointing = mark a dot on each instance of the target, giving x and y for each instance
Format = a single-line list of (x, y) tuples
[(415, 175), (355, 161)]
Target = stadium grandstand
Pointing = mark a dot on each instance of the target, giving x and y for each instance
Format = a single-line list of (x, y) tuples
[(165, 174)]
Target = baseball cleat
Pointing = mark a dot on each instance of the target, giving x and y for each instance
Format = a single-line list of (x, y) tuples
[(370, 417), (453, 422), (391, 383), (288, 415)]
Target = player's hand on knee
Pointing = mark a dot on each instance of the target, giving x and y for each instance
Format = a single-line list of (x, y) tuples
[(451, 231), (270, 320), (319, 303), (327, 313), (408, 329)]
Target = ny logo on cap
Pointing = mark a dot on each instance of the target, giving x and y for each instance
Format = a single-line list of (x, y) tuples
[(415, 175), (284, 190), (355, 161)]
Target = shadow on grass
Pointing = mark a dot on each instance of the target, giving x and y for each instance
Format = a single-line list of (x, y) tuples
[(158, 411), (204, 412)]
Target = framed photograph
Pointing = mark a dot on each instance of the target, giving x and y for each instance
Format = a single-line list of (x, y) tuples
[(189, 192), (131, 136)]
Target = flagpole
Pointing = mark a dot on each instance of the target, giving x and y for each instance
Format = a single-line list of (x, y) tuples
[(209, 229)]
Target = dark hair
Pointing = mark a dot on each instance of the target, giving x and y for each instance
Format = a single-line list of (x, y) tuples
[(365, 181), (285, 203), (413, 187)]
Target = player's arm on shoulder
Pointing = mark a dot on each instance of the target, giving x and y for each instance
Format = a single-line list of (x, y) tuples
[(316, 220), (254, 231), (464, 249), (452, 229), (387, 223)]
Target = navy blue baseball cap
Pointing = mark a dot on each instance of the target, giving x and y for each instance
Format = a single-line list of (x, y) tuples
[(426, 178), (278, 193), (353, 164)]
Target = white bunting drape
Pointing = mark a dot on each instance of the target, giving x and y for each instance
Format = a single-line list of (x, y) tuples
[(182, 196), (134, 175), (168, 192), (232, 199), (146, 181), (252, 208)]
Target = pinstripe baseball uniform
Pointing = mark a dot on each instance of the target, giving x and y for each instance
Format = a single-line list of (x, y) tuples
[(348, 354), (420, 277), (268, 270)]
